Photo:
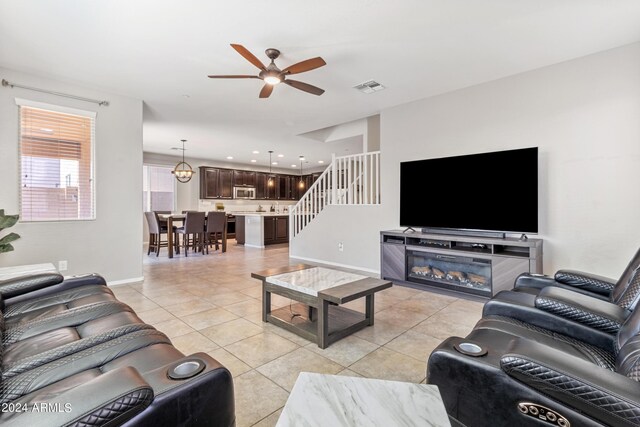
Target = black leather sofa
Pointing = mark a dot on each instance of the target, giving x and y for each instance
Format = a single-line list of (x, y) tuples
[(525, 365), (72, 354)]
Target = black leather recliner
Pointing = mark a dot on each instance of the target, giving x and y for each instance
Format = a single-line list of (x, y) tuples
[(73, 354), (525, 375), (555, 306)]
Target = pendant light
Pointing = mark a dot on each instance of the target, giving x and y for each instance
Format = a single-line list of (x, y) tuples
[(183, 171), (301, 182), (270, 180)]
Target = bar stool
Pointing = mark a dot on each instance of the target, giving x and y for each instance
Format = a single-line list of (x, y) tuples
[(216, 226), (192, 232)]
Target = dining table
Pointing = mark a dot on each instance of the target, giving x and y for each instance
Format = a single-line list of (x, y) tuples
[(180, 217)]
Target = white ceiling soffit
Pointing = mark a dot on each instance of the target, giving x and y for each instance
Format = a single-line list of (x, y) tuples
[(161, 51)]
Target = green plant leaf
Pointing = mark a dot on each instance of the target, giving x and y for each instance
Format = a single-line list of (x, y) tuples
[(9, 238), (7, 221), (6, 248)]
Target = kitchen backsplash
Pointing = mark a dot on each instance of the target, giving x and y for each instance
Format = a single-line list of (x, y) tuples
[(231, 206)]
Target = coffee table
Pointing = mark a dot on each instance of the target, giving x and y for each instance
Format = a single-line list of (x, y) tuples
[(333, 400), (322, 290)]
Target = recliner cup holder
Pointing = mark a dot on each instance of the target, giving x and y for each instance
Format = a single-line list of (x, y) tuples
[(470, 349), (184, 369)]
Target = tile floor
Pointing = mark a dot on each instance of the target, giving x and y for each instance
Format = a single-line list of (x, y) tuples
[(210, 303)]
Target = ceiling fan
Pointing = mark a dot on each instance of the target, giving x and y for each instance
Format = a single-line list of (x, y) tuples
[(272, 75)]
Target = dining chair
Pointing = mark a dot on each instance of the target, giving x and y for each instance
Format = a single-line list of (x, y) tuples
[(155, 233), (162, 222), (216, 226), (192, 232)]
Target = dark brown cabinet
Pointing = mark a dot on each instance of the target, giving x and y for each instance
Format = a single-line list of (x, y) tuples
[(216, 183), (276, 229), (241, 177)]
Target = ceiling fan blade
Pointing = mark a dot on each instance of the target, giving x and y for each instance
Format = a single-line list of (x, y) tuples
[(305, 87), (248, 56), (233, 77), (266, 91), (308, 65)]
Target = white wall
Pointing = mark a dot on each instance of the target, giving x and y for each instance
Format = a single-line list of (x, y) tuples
[(110, 245), (584, 115)]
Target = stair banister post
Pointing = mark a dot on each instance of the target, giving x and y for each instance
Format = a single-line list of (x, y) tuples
[(334, 179)]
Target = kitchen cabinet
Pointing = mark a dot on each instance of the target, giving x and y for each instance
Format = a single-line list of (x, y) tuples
[(216, 183), (242, 177), (276, 229), (263, 191)]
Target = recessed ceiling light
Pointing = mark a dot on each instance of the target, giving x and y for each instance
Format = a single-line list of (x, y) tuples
[(230, 157), (302, 158), (320, 161), (274, 163), (255, 152), (294, 166), (280, 155), (253, 160)]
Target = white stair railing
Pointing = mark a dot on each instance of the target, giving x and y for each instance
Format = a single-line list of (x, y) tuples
[(349, 180)]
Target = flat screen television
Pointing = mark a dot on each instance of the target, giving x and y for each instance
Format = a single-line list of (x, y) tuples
[(495, 192)]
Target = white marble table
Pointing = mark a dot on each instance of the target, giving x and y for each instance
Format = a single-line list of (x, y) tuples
[(333, 400), (323, 290), (25, 270)]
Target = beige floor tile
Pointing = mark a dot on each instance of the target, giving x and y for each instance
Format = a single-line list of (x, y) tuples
[(245, 307), (285, 369), (296, 339), (260, 349), (173, 328), (229, 361), (421, 305), (349, 373), (401, 292), (212, 317), (155, 315), (139, 303), (193, 342), (442, 329), (253, 292), (414, 344), (456, 316), (381, 332), (256, 398), (390, 365), (189, 307), (345, 351), (398, 316), (232, 331), (223, 300), (166, 300), (467, 306), (269, 421)]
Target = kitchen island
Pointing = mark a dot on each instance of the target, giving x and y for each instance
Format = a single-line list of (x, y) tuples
[(259, 229)]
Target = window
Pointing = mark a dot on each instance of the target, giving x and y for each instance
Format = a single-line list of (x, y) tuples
[(56, 163), (158, 188)]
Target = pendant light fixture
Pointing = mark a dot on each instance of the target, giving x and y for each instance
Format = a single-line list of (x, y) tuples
[(183, 171), (270, 180), (301, 182)]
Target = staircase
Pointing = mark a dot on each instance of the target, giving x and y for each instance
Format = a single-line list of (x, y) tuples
[(349, 180)]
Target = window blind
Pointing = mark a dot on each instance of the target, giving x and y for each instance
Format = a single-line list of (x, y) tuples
[(56, 156), (158, 188)]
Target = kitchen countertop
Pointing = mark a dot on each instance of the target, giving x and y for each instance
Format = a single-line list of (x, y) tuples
[(261, 213)]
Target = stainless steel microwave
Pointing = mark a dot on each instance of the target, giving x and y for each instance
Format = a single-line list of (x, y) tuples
[(244, 192)]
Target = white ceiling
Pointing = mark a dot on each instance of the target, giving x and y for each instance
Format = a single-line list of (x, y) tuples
[(159, 51)]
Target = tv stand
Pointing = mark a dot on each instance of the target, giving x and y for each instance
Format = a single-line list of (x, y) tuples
[(409, 228), (457, 264)]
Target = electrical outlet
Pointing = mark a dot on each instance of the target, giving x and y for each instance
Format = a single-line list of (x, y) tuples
[(340, 246), (62, 265)]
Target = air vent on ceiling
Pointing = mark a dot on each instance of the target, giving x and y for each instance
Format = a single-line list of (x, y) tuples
[(369, 86)]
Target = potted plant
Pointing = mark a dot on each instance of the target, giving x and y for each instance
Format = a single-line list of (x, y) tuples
[(7, 221)]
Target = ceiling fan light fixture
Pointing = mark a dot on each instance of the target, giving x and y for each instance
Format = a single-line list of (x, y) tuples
[(272, 80)]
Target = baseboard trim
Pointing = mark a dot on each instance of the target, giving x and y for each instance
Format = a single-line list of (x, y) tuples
[(335, 264), (246, 245), (125, 281)]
